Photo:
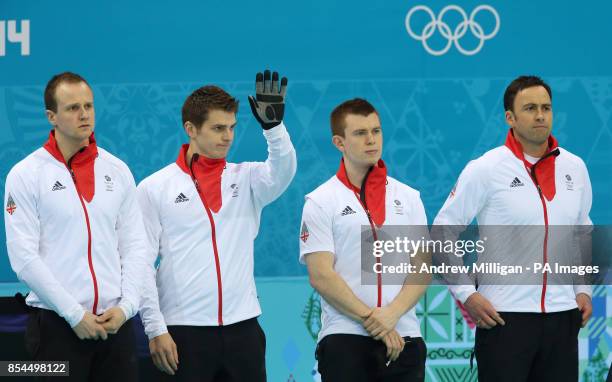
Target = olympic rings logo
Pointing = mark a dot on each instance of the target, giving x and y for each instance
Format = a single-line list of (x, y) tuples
[(452, 36)]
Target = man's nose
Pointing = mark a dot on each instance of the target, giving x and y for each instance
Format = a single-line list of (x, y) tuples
[(370, 138), (85, 113), (228, 135)]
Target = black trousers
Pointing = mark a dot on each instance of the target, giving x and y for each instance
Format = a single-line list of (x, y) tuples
[(48, 337), (355, 358), (530, 347), (231, 353)]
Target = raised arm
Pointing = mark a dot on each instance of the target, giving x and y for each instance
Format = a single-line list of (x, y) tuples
[(270, 178)]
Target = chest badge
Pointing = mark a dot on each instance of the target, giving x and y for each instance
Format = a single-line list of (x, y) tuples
[(234, 188), (569, 183), (108, 183), (399, 208)]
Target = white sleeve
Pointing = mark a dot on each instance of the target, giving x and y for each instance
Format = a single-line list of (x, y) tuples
[(22, 238), (419, 225), (586, 289), (465, 201), (152, 318), (132, 248), (270, 178), (585, 224), (587, 199), (316, 230), (419, 209), (467, 198)]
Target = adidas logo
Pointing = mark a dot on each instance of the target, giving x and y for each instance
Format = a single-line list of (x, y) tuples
[(58, 186), (516, 183), (347, 211), (181, 198)]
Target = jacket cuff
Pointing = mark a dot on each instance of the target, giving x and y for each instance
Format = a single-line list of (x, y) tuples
[(462, 292), (127, 309), (74, 316), (275, 132), (586, 289), (158, 331)]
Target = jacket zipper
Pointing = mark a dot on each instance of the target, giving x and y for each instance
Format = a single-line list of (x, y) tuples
[(362, 200), (89, 257), (545, 247), (214, 243)]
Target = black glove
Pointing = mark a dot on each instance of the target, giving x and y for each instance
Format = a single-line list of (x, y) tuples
[(268, 106)]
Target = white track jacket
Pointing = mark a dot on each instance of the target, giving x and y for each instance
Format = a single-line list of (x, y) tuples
[(202, 221), (74, 231), (499, 189), (332, 220)]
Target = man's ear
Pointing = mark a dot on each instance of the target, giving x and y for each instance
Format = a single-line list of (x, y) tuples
[(509, 118), (51, 117), (338, 141), (190, 129)]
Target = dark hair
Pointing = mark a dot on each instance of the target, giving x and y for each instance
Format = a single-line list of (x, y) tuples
[(204, 99), (357, 106), (520, 83), (54, 82)]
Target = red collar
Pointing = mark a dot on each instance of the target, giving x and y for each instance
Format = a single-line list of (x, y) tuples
[(81, 164), (181, 160), (375, 190), (200, 161), (86, 154), (545, 169), (207, 172)]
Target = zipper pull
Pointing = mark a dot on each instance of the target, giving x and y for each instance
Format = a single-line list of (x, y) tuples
[(370, 219)]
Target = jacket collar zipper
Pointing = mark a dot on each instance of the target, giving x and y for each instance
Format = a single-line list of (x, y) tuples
[(532, 173), (89, 238), (362, 200), (214, 241)]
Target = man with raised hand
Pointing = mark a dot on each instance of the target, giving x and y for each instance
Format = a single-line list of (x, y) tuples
[(524, 332), (202, 216), (368, 332), (75, 237)]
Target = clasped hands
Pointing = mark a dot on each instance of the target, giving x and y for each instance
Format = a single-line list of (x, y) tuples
[(380, 324), (93, 327)]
